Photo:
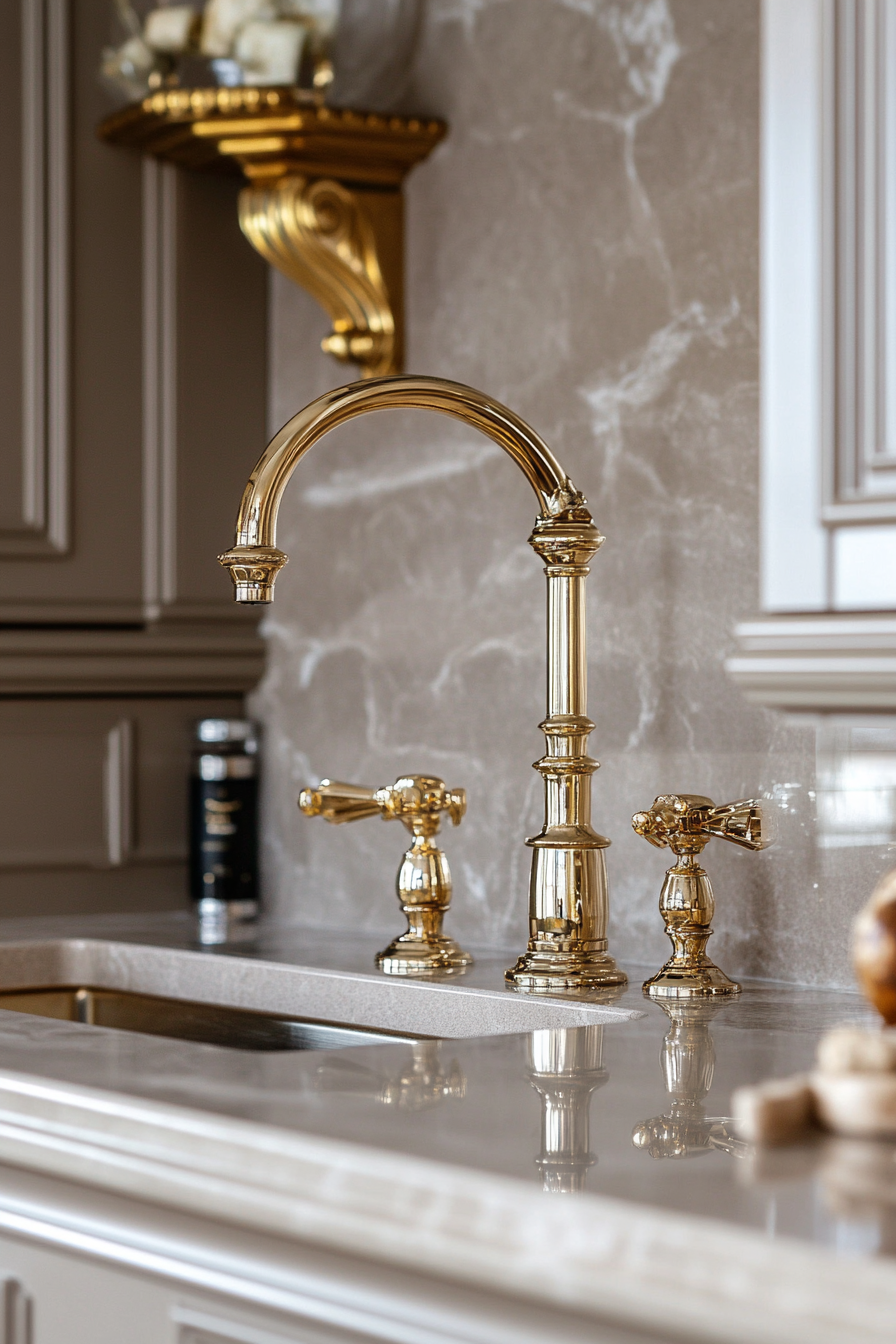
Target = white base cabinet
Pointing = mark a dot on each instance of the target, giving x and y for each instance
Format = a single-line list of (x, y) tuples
[(78, 1266)]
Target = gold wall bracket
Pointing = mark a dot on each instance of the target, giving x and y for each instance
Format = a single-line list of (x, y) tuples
[(686, 823), (323, 204), (424, 880)]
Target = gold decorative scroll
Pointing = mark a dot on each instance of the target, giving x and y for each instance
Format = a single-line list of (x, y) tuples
[(318, 234), (323, 203)]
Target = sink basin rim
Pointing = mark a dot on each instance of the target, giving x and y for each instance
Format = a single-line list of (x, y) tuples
[(191, 1020)]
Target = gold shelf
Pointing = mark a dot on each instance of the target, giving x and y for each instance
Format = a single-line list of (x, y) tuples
[(323, 202)]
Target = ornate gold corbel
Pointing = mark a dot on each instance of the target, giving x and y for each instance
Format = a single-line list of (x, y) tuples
[(323, 203), (320, 236)]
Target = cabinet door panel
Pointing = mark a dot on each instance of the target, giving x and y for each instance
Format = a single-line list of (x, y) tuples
[(93, 801), (54, 791), (132, 352)]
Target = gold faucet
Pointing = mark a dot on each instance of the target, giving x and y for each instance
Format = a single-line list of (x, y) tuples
[(568, 890), (686, 823), (424, 879)]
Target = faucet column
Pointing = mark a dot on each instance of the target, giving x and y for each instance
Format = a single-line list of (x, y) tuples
[(568, 903)]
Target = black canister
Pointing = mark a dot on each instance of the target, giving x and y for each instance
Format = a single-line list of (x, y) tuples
[(224, 827)]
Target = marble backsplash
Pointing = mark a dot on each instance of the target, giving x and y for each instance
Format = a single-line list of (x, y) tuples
[(584, 247)]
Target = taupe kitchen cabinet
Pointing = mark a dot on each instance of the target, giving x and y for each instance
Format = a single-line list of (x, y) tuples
[(132, 406)]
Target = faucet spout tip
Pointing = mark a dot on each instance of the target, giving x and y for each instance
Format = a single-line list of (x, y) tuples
[(253, 570)]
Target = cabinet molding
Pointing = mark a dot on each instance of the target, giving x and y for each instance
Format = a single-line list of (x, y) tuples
[(860, 443), (118, 781), (43, 525), (817, 662), (133, 385), (159, 387), (828, 240), (97, 784), (828, 348), (15, 1313), (112, 662)]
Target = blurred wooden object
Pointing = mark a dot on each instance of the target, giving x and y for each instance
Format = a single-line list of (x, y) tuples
[(874, 948)]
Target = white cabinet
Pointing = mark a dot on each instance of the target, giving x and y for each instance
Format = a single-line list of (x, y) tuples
[(68, 1297), (80, 1266), (827, 632)]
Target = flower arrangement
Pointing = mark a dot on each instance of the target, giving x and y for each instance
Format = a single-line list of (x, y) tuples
[(243, 42)]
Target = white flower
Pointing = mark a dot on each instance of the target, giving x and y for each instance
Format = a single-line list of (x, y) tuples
[(223, 19), (269, 53), (170, 29)]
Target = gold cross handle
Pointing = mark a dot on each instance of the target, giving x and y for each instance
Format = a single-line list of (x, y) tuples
[(424, 880), (685, 823)]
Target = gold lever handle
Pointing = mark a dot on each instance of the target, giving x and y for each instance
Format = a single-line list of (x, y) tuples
[(424, 881), (686, 822), (417, 800), (745, 823), (337, 802)]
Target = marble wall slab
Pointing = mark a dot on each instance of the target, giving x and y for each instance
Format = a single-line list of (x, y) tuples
[(583, 246)]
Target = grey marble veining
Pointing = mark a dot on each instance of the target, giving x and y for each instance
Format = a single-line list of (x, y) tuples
[(583, 246)]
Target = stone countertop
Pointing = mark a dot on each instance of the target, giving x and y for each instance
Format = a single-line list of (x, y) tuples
[(604, 1147)]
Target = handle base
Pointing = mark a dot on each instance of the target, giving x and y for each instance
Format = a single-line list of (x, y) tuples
[(685, 980), (411, 955), (685, 823)]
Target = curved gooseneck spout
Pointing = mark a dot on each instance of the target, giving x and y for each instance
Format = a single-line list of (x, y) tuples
[(568, 891)]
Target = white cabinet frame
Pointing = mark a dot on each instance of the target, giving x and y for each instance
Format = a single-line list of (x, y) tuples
[(828, 359)]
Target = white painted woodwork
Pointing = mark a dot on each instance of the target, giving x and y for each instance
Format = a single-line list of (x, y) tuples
[(828, 313), (93, 1268), (817, 661), (794, 543)]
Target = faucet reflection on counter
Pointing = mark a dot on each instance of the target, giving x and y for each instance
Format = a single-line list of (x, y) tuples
[(421, 1082), (563, 1064), (687, 1061), (566, 1067)]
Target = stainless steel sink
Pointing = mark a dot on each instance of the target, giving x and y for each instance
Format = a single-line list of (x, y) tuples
[(182, 1020)]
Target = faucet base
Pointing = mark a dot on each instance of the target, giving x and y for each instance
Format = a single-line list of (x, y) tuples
[(410, 955), (685, 980), (548, 971)]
